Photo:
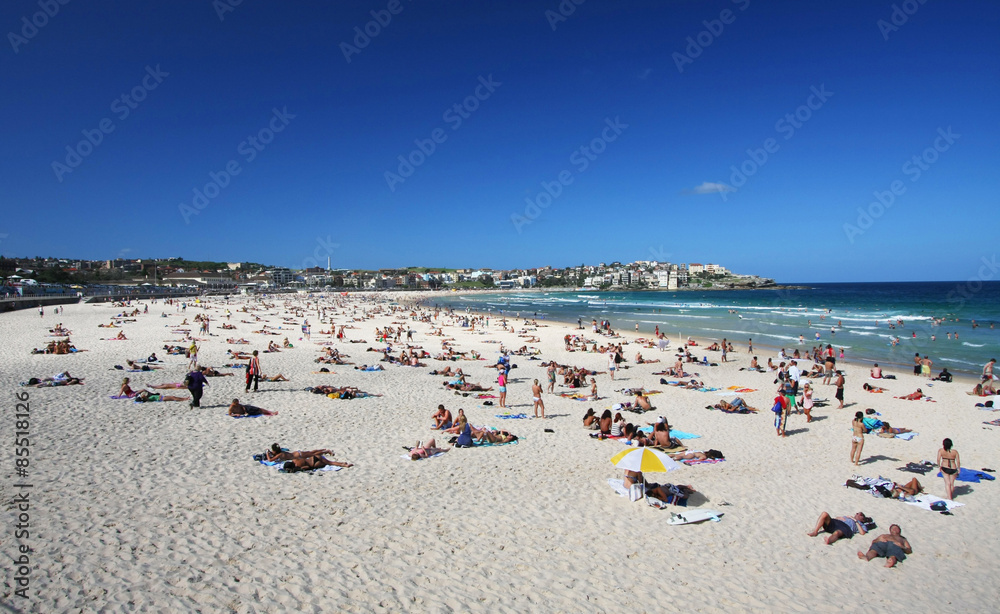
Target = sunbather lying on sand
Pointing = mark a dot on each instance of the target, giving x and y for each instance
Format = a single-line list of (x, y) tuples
[(841, 527), (145, 396), (426, 450), (61, 379), (669, 493), (738, 406), (311, 462), (277, 454), (237, 409), (467, 387), (914, 396), (707, 455), (485, 435)]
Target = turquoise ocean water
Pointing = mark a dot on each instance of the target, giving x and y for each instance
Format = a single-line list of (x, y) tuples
[(858, 313)]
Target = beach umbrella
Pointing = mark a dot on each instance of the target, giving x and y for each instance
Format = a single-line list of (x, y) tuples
[(645, 460)]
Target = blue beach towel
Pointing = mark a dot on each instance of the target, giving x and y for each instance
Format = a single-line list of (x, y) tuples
[(970, 475)]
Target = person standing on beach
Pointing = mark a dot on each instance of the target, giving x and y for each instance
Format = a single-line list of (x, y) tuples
[(925, 367), (536, 397), (502, 386), (780, 410), (857, 437), (253, 372), (988, 369), (552, 377), (612, 363), (916, 363), (193, 355), (950, 464), (196, 383), (793, 377), (840, 389), (750, 346)]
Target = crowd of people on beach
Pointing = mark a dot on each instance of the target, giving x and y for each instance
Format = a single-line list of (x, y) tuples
[(392, 347)]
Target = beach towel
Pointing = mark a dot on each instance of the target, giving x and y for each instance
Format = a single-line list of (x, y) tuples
[(906, 436), (673, 433), (511, 416), (708, 461), (925, 501), (993, 422), (122, 396), (280, 464), (971, 475)]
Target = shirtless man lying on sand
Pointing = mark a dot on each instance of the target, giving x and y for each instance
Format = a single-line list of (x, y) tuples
[(893, 546)]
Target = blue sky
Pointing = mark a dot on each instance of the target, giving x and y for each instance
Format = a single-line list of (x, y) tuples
[(634, 127)]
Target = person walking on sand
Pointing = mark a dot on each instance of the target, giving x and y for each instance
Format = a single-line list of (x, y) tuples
[(536, 397), (857, 437), (840, 389), (988, 369), (612, 363), (193, 356), (253, 372), (950, 464), (196, 382), (552, 376)]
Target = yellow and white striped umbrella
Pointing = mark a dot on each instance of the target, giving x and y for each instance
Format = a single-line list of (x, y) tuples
[(646, 460)]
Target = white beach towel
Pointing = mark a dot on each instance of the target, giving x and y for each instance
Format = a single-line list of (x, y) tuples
[(924, 502)]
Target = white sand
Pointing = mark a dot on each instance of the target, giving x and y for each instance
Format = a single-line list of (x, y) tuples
[(158, 507)]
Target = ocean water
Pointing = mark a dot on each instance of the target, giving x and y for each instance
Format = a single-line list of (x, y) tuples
[(859, 315)]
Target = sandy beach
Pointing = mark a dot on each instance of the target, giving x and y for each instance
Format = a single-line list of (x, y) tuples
[(158, 507)]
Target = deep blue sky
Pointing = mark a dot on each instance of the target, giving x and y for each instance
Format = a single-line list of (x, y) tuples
[(322, 178)]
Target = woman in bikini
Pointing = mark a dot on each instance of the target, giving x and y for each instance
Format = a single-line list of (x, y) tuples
[(126, 390), (950, 464), (857, 437), (426, 450)]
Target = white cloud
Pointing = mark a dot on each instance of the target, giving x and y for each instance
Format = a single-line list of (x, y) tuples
[(710, 188)]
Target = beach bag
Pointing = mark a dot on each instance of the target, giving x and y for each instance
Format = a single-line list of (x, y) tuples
[(777, 408), (636, 492), (188, 380)]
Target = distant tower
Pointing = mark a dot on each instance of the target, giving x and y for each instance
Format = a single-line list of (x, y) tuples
[(327, 264)]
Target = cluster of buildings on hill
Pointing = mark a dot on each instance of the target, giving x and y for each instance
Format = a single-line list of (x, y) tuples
[(243, 276)]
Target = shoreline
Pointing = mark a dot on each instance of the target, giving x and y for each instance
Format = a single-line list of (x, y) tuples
[(959, 376)]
